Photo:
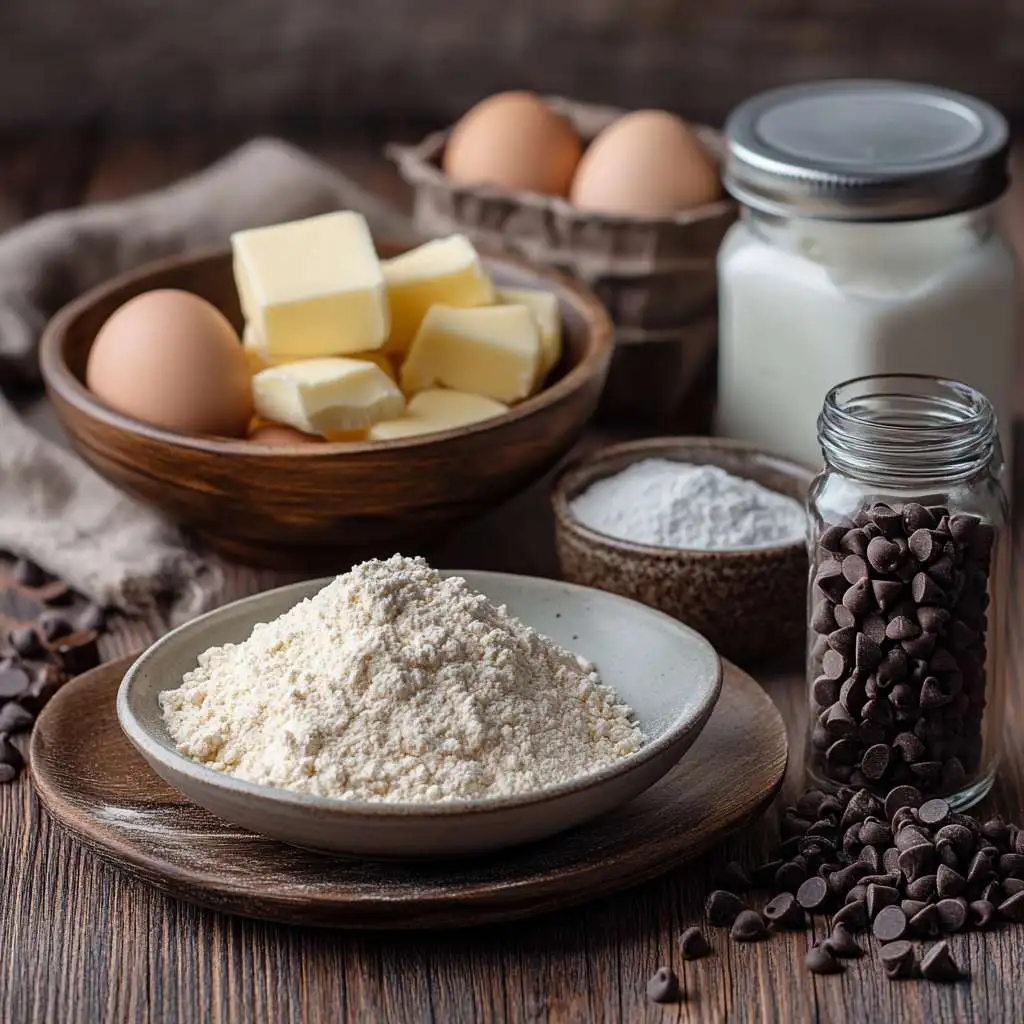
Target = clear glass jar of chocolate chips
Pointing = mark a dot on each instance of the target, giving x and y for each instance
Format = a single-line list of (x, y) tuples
[(906, 608)]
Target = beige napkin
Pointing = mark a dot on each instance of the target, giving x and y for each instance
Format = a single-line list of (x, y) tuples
[(53, 508)]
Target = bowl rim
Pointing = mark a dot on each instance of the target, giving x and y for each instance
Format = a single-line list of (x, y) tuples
[(675, 732), (58, 377), (652, 447)]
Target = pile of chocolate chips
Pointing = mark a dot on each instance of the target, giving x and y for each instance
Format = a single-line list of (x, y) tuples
[(900, 612), (904, 867), (48, 634)]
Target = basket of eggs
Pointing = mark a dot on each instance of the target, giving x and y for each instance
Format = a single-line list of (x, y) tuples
[(631, 203)]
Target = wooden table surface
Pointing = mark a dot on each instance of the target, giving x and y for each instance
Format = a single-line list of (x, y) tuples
[(80, 943)]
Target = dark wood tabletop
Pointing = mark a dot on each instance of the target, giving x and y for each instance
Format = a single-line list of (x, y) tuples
[(81, 943)]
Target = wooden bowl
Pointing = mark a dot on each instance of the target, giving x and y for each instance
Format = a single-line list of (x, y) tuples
[(322, 506), (750, 603)]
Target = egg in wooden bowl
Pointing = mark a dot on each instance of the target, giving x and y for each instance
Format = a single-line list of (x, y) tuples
[(322, 501)]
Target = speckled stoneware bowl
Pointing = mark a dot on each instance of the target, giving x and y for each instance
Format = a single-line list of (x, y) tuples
[(749, 603)]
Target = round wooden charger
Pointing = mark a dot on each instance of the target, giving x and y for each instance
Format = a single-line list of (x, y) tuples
[(91, 781)]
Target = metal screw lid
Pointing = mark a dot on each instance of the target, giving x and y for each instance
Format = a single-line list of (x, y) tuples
[(865, 151)]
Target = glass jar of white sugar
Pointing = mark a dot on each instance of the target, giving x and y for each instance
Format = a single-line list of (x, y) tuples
[(867, 245)]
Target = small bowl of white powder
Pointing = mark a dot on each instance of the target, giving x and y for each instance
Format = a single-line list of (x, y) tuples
[(710, 531)]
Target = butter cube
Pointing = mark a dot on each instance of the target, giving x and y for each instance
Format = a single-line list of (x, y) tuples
[(312, 287), (435, 410), (259, 359), (492, 351), (544, 306), (446, 271), (328, 397)]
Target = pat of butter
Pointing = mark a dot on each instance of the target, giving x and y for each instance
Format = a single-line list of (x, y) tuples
[(437, 409), (326, 396), (544, 306), (312, 287), (446, 271), (492, 351), (260, 359)]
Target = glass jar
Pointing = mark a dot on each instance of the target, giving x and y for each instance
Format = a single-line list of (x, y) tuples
[(867, 244), (907, 599)]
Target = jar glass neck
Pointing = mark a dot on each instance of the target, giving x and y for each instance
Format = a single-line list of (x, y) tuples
[(908, 429)]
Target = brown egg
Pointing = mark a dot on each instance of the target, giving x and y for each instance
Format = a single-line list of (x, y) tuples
[(648, 163), (172, 359), (275, 435), (513, 140)]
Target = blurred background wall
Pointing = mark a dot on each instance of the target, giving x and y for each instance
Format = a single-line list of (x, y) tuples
[(187, 60)]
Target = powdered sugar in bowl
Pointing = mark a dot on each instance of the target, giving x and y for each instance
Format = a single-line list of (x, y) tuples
[(708, 530)]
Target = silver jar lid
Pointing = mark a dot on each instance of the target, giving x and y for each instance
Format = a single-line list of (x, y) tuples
[(865, 151)]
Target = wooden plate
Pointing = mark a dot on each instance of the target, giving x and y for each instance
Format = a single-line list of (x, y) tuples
[(94, 784)]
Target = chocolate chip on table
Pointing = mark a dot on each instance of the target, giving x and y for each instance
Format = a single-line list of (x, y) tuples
[(821, 960), (921, 888), (982, 915), (13, 682), (879, 897), (784, 912), (912, 907), (749, 926), (14, 718), (813, 894), (693, 944), (853, 916), (1012, 886), (27, 573), (53, 626), (722, 908), (790, 877), (841, 943), (663, 986), (9, 753), (948, 882), (938, 964), (925, 924), (1012, 909), (25, 641), (890, 924), (933, 813), (898, 959), (952, 915)]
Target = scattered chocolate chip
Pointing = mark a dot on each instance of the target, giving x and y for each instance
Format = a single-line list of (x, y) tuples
[(722, 908), (890, 924), (922, 888), (790, 877), (1013, 908), (938, 964), (842, 944), (925, 924), (952, 916), (948, 882), (1011, 864), (898, 959), (813, 894), (663, 986), (912, 907), (53, 626), (933, 813), (879, 897), (25, 641), (982, 915), (749, 926), (784, 912), (693, 944), (820, 960), (901, 796), (853, 916), (14, 718)]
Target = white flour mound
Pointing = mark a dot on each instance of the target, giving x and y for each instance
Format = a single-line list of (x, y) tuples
[(396, 684)]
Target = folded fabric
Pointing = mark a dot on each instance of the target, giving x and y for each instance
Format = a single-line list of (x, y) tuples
[(53, 508)]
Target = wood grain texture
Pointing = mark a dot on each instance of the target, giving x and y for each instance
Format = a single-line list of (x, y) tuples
[(119, 808), (82, 943), (322, 506)]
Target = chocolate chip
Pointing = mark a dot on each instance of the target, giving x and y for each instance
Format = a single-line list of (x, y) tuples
[(784, 912), (93, 617), (933, 813), (916, 860), (1012, 909), (813, 894), (820, 960), (993, 892), (749, 926), (13, 682), (14, 718), (910, 835), (841, 943), (981, 867), (898, 959), (693, 944), (868, 654), (9, 753), (879, 897), (53, 626), (924, 545), (921, 888), (862, 804), (763, 875), (902, 628), (957, 838), (853, 916), (663, 986), (790, 877), (1011, 886), (25, 641), (734, 877), (891, 860), (883, 555), (938, 964), (886, 593), (917, 517), (1011, 864), (722, 908), (872, 856), (855, 568), (875, 833), (843, 616), (925, 924), (27, 573), (901, 796), (8, 773), (833, 666), (830, 581), (825, 691), (858, 598), (875, 762), (925, 590), (932, 620), (948, 882), (890, 924), (832, 536), (912, 907), (952, 916), (982, 915)]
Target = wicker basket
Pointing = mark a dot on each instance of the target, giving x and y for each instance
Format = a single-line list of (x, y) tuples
[(656, 276)]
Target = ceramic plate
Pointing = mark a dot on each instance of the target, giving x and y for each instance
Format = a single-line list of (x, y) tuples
[(665, 671)]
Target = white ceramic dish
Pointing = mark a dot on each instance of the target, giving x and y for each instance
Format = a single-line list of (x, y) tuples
[(668, 673)]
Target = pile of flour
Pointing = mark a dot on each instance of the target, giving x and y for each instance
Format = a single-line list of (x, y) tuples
[(678, 505), (396, 684)]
